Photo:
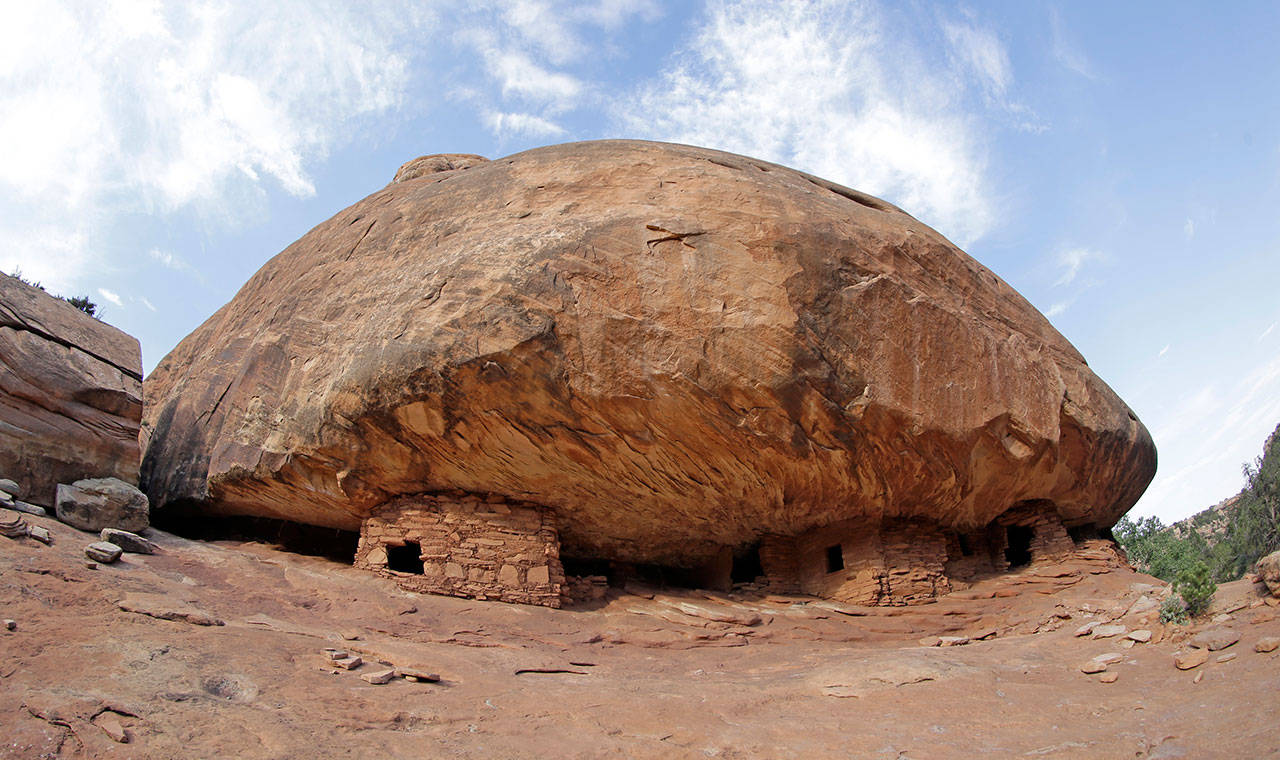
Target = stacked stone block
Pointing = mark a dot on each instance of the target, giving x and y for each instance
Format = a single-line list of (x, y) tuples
[(471, 546)]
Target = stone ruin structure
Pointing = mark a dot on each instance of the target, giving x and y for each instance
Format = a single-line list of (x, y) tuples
[(624, 359)]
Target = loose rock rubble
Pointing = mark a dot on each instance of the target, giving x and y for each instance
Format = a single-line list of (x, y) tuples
[(129, 542)]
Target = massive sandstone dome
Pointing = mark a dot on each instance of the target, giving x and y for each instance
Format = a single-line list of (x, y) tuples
[(675, 350)]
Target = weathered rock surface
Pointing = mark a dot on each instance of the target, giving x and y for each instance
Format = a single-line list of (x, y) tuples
[(130, 542), (102, 551), (70, 394), (675, 349), (99, 503), (1268, 570)]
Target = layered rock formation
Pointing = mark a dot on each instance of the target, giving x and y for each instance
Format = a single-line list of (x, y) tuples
[(675, 351), (70, 394)]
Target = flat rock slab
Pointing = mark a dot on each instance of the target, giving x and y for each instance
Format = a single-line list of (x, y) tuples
[(1193, 659), (1267, 644), (163, 608), (129, 542), (1215, 639), (1107, 631), (10, 488), (103, 551), (378, 677)]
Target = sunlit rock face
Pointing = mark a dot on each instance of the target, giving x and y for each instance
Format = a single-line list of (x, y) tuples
[(674, 350)]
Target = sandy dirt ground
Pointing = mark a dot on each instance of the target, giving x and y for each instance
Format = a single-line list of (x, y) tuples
[(105, 653)]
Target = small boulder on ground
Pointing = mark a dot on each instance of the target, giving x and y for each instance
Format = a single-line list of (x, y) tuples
[(130, 542), (1267, 644), (1193, 659), (10, 488), (13, 527), (1268, 570), (1109, 677), (1093, 666), (1140, 636), (99, 503), (40, 534), (101, 551), (1215, 639)]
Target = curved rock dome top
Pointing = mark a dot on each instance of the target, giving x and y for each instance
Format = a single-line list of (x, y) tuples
[(672, 349)]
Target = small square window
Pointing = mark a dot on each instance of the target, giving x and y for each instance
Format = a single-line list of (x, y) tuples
[(406, 558), (835, 558)]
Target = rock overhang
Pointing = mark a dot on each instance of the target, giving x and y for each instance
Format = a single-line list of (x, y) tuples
[(673, 349)]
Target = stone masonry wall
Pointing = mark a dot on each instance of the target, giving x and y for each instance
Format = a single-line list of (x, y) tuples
[(884, 564), (473, 547), (1049, 541)]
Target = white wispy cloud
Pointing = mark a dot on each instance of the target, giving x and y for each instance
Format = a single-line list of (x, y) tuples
[(503, 124), (1064, 49), (1268, 331), (146, 303), (1072, 261), (111, 296), (825, 87), (1164, 350), (148, 106), (1189, 228), (1057, 309), (982, 52)]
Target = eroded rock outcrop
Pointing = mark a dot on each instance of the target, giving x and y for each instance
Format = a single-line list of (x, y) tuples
[(675, 351), (70, 394)]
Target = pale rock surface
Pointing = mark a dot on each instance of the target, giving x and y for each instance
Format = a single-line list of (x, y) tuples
[(1193, 659), (70, 394), (1214, 639), (101, 551), (99, 503), (675, 349)]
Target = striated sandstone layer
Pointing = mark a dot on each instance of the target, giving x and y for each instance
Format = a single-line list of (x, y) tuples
[(675, 350), (70, 394)]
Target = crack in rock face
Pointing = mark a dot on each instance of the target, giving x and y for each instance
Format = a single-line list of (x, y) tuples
[(674, 350)]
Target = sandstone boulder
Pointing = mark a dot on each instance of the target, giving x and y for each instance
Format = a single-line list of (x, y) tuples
[(1268, 570), (98, 503), (674, 349), (102, 551), (70, 394)]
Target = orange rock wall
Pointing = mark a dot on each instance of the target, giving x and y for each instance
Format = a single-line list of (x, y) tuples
[(469, 547)]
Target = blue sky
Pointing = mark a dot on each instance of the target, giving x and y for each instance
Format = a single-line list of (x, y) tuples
[(1117, 163)]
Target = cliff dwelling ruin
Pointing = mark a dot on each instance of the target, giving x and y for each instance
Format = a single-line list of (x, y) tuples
[(527, 378)]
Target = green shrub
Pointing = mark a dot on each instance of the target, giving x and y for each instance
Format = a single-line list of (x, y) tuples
[(1173, 610), (1195, 585)]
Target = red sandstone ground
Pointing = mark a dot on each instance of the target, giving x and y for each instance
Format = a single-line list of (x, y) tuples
[(643, 677)]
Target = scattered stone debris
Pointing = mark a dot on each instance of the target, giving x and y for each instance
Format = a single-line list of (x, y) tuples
[(1087, 628), (1141, 636), (129, 542), (1093, 666), (336, 654), (10, 488), (1221, 618), (349, 663), (1110, 658), (350, 635), (1228, 657), (40, 534), (1193, 659), (102, 551), (1267, 644), (952, 641), (1109, 677), (379, 677), (930, 641), (1215, 639), (10, 625)]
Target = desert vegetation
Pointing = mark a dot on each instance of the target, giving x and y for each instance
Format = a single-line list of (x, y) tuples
[(1217, 545), (80, 302)]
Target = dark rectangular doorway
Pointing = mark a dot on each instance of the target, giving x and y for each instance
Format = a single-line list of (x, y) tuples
[(1018, 547)]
